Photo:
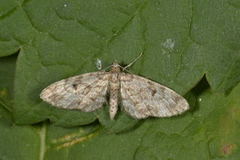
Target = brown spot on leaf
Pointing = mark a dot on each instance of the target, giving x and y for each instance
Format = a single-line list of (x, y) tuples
[(3, 93), (72, 141), (228, 149)]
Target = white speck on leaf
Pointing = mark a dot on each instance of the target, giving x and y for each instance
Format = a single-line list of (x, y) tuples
[(163, 51), (98, 64), (169, 44)]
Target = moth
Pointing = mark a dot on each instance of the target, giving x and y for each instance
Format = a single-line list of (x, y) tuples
[(138, 96)]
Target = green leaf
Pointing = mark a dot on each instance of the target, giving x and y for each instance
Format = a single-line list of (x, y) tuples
[(7, 70), (94, 145), (181, 40), (15, 29), (17, 142), (211, 131), (179, 43)]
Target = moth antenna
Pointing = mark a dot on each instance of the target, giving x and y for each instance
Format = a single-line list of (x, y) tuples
[(104, 69), (124, 68)]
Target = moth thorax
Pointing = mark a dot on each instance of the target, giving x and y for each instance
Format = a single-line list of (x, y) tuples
[(115, 67)]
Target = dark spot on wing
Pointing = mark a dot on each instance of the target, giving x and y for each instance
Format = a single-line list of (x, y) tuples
[(177, 99), (74, 86), (152, 88), (150, 83), (92, 99), (154, 91)]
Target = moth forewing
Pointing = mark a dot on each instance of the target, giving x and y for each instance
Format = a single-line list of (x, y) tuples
[(140, 97)]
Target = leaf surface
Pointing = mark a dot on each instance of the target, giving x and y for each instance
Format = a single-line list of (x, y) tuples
[(182, 41)]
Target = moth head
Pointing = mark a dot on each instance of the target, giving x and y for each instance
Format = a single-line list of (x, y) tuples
[(115, 67)]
